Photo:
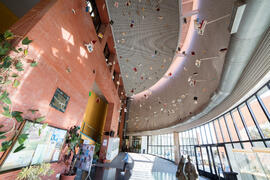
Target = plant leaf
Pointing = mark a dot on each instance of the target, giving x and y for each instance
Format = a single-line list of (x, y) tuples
[(33, 111), (39, 132), (14, 75), (20, 49), (34, 64), (3, 137), (16, 83), (25, 52), (17, 115), (44, 125), (19, 66), (22, 138), (3, 95), (7, 62), (7, 82), (6, 108), (19, 148), (6, 112), (40, 119), (26, 41), (5, 145), (8, 35), (3, 50), (4, 98)]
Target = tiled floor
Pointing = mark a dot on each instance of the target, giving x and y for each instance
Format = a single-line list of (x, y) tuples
[(141, 167)]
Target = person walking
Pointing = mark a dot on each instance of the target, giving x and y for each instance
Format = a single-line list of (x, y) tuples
[(190, 170), (125, 162), (180, 169)]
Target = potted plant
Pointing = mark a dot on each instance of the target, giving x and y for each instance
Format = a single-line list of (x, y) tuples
[(35, 172), (73, 140), (96, 153)]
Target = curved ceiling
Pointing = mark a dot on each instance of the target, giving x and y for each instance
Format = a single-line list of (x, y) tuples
[(146, 34), (173, 99)]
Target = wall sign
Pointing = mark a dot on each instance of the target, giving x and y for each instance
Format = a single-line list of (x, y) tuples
[(113, 148), (59, 100), (45, 147)]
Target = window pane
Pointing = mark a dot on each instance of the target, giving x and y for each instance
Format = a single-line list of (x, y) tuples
[(260, 116), (249, 121), (188, 138), (208, 135), (195, 136), (224, 130), (184, 138), (199, 135), (205, 159), (217, 161), (199, 158), (264, 94), (192, 156), (224, 159), (219, 135), (213, 132), (191, 139), (203, 135), (211, 160), (242, 132), (231, 127), (166, 139)]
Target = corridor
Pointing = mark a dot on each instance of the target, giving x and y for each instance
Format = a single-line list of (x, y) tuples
[(141, 166)]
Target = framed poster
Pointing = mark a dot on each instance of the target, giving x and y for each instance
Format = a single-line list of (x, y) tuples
[(45, 147), (113, 148), (85, 157), (59, 100)]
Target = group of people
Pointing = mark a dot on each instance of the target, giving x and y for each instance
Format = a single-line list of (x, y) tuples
[(186, 170)]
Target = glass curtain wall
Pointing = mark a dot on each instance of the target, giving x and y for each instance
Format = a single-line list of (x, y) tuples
[(162, 146), (238, 140)]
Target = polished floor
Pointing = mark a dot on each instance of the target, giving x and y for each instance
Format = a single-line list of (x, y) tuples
[(141, 167)]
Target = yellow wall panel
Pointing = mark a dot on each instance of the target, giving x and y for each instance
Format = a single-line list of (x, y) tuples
[(94, 117)]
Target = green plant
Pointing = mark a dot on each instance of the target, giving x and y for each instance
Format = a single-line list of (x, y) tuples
[(12, 60), (35, 172), (73, 140), (96, 153)]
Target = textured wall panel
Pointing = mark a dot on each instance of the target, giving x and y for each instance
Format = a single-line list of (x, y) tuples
[(149, 45)]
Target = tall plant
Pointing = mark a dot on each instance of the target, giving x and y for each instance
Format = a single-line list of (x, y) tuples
[(73, 140), (12, 60)]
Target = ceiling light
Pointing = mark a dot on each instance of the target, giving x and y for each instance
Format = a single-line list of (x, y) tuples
[(237, 14)]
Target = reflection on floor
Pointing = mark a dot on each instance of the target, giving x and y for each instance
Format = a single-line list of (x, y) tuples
[(141, 167)]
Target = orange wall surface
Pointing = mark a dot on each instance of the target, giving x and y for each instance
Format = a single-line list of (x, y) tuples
[(59, 36)]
